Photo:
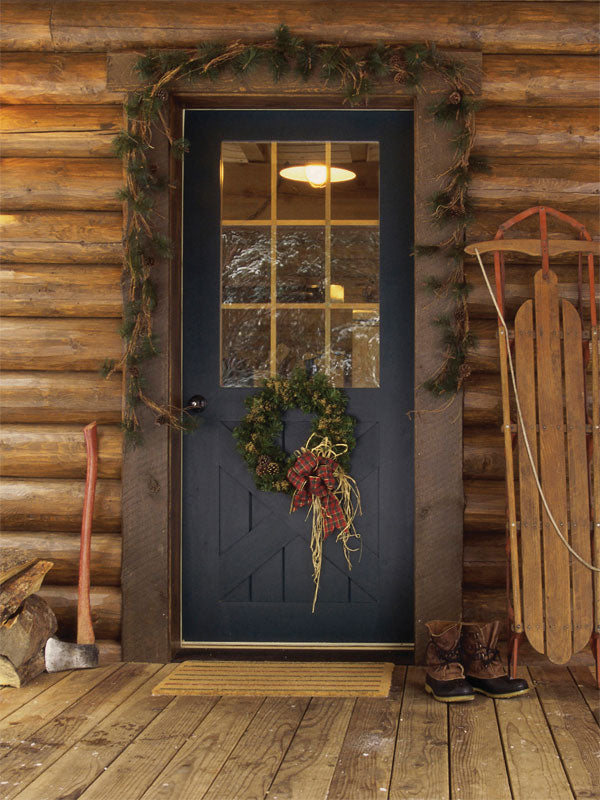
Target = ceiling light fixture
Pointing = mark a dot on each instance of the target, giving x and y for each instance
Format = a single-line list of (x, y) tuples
[(316, 174)]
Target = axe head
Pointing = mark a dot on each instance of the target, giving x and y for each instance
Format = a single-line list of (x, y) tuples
[(66, 655)]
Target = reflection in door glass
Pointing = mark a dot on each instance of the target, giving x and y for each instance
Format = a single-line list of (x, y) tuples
[(300, 261)]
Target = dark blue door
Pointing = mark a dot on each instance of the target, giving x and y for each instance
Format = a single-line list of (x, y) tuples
[(284, 269)]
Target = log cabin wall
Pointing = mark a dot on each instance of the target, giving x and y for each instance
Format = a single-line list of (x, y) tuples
[(62, 229)]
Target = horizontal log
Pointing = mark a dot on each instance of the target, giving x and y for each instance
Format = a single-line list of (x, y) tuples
[(109, 651), (59, 131), (483, 454), (62, 237), (26, 25), (35, 78), (47, 504), (515, 184), (541, 80), (106, 610), (515, 27), (482, 403), (485, 505), (63, 550), (61, 344), (541, 132), (484, 560), (61, 183), (486, 223), (57, 451), (32, 290), (486, 605), (40, 397)]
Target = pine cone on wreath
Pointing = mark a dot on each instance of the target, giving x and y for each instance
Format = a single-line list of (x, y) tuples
[(262, 465), (273, 468)]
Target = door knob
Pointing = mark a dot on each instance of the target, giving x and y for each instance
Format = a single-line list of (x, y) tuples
[(196, 404)]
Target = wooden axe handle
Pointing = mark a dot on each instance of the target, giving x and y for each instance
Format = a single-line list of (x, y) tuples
[(85, 631)]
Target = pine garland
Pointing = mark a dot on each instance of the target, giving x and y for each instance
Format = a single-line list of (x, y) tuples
[(356, 69)]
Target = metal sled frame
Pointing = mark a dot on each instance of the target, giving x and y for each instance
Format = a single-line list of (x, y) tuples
[(553, 599)]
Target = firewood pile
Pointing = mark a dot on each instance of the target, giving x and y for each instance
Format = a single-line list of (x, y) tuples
[(26, 620)]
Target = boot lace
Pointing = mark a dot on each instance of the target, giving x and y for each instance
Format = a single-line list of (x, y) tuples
[(446, 656), (487, 655)]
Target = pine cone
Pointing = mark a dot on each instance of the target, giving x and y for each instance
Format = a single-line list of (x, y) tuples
[(455, 98), (273, 468), (262, 466)]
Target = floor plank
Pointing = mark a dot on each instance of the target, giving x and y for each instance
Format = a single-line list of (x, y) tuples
[(11, 699), (27, 760), (365, 763), (573, 727), (477, 766), (532, 760), (84, 761), (137, 767), (195, 766), (23, 722), (585, 678), (263, 745), (309, 764)]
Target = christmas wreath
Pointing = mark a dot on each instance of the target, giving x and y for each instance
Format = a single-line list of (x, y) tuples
[(317, 474)]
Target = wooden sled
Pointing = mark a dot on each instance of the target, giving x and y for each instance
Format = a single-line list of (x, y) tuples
[(554, 599)]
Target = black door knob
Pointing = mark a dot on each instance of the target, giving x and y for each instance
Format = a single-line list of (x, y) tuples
[(196, 404)]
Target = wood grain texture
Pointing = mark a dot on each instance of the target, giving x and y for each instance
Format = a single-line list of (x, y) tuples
[(194, 768), (61, 397), (56, 504), (61, 183), (78, 766), (63, 550), (309, 764), (46, 290), (106, 610), (421, 756), (483, 454), (136, 768), (12, 700), (26, 25), (484, 560), (585, 680), (62, 78), (108, 25), (533, 765), (364, 764), (57, 451), (48, 131), (573, 727), (266, 741), (485, 505)]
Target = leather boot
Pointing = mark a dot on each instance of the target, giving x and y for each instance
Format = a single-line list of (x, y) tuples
[(445, 678), (482, 662)]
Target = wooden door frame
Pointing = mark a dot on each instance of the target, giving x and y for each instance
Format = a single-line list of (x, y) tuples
[(152, 472)]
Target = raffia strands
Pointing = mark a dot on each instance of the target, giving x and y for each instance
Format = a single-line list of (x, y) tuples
[(277, 679)]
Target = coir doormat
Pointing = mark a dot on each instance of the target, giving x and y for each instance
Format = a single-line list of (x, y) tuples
[(277, 678)]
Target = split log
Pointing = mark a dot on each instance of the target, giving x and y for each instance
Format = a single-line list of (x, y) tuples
[(26, 25), (567, 185), (15, 590), (19, 676), (485, 505), (56, 505), (33, 78), (61, 183), (46, 290), (106, 610), (493, 27), (39, 397), (541, 80), (59, 344), (13, 563), (483, 454), (541, 132), (63, 550), (59, 131), (28, 631), (57, 451)]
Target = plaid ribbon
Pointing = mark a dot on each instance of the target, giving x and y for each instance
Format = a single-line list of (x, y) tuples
[(313, 476)]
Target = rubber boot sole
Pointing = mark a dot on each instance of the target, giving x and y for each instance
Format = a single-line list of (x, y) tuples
[(500, 696), (460, 699)]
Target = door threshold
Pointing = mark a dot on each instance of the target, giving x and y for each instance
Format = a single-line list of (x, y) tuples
[(404, 646)]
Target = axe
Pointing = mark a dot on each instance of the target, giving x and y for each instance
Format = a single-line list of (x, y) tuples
[(66, 655)]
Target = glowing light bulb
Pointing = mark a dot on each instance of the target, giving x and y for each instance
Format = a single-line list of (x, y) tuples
[(316, 175)]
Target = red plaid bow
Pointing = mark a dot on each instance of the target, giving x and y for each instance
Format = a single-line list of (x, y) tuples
[(313, 476)]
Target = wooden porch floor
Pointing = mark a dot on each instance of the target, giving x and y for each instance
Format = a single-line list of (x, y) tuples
[(101, 734)]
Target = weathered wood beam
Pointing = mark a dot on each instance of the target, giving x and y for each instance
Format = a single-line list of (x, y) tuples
[(40, 397), (47, 290), (63, 550), (57, 451), (48, 504), (59, 344)]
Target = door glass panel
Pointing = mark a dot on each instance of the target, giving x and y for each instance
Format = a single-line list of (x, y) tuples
[(300, 261)]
